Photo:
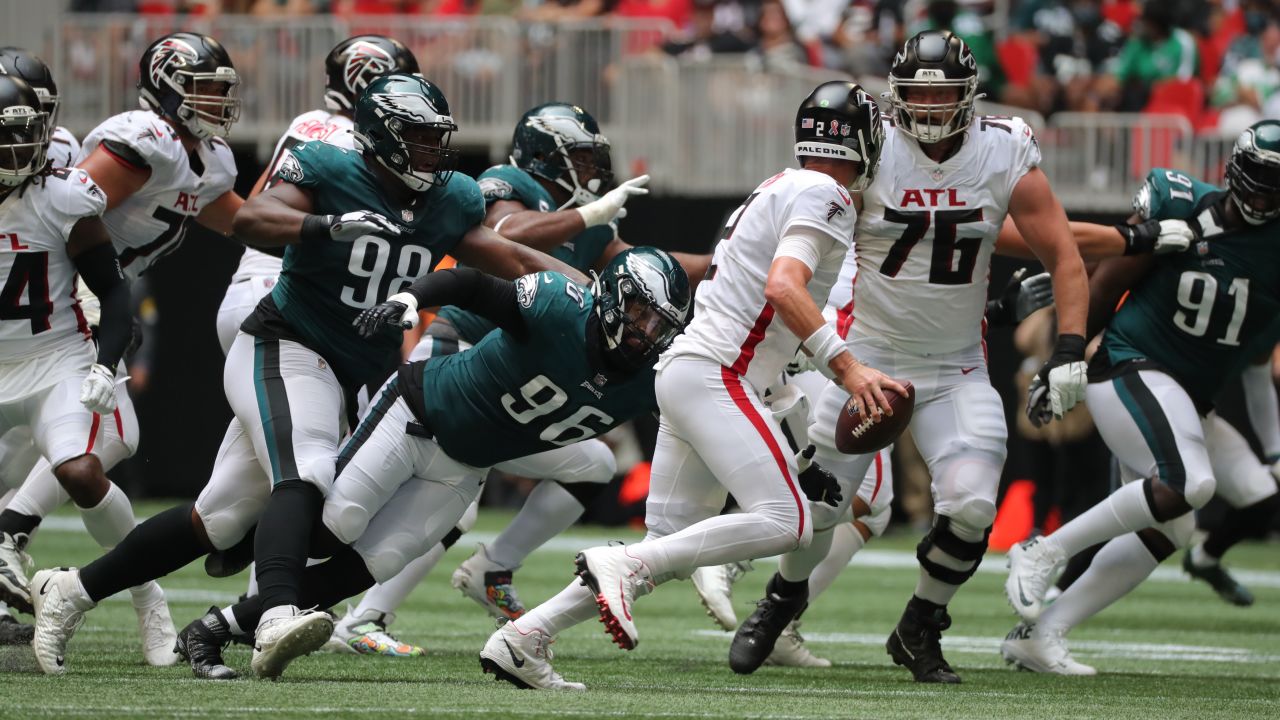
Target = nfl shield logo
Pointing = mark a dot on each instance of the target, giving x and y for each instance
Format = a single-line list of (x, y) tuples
[(407, 215)]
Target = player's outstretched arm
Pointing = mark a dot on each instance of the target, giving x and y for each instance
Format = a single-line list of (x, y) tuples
[(466, 288), (274, 217), (546, 231), (219, 215), (1043, 223), (90, 249), (1096, 242), (485, 249)]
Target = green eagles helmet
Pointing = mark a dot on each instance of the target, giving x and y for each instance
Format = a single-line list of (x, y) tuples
[(642, 303), (1253, 172), (548, 143), (403, 121)]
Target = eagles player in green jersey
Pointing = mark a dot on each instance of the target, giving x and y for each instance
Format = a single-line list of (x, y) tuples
[(553, 195), (357, 226), (1190, 322), (567, 363)]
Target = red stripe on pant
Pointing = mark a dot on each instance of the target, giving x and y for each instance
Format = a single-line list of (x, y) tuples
[(879, 477), (93, 432), (733, 383), (119, 424)]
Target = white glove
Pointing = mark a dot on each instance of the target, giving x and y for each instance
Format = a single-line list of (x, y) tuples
[(98, 391), (355, 225), (1063, 391), (610, 206), (1175, 236)]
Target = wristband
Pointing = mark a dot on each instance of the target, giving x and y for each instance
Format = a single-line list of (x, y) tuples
[(596, 213), (1069, 348), (1139, 239), (315, 228), (824, 345)]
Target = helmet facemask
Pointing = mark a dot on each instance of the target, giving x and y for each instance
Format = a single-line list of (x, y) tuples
[(24, 144), (210, 101), (420, 155), (1253, 179), (587, 171), (931, 122), (636, 328)]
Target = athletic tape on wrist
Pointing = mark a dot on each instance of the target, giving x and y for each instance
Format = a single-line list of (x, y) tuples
[(824, 345)]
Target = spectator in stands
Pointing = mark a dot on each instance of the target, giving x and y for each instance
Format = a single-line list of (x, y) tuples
[(864, 43), (561, 10), (702, 39), (948, 15), (1155, 51), (1247, 84), (776, 43)]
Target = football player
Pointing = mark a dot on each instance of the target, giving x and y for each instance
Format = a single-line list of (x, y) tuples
[(1151, 396), (779, 251), (554, 195), (357, 226), (566, 362)]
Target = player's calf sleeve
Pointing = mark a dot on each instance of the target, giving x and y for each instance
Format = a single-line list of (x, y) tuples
[(323, 586), (1241, 523), (1126, 510), (283, 540), (110, 520), (16, 523), (798, 565), (163, 543), (548, 511), (1076, 566), (40, 494), (846, 541)]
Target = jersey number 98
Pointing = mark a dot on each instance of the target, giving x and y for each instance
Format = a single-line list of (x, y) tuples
[(370, 256), (540, 397)]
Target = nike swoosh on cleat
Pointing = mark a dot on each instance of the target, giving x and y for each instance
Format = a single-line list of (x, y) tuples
[(45, 586), (58, 660), (1021, 595), (515, 660)]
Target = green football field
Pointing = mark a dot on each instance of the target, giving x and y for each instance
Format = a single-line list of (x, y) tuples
[(1170, 650)]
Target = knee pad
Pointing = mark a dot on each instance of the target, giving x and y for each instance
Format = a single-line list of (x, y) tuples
[(965, 487), (877, 521), (943, 539), (347, 521), (1199, 491), (468, 519)]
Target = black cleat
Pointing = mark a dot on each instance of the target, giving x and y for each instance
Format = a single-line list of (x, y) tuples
[(916, 644), (13, 632), (1220, 580), (758, 633), (201, 643)]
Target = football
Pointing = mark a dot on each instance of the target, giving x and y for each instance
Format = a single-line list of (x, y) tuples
[(855, 436)]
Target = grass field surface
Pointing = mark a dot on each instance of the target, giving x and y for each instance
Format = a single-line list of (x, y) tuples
[(1169, 650)]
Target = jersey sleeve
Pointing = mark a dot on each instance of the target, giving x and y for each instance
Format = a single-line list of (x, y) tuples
[(469, 203), (1023, 148), (1169, 195), (546, 299), (220, 175), (825, 207), (72, 195), (302, 166), (64, 148), (142, 141), (510, 183)]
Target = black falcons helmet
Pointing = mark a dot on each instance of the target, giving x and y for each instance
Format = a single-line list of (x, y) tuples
[(24, 132), (189, 78), (23, 63), (354, 62), (933, 59), (840, 120)]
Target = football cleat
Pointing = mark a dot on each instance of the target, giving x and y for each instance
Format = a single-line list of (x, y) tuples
[(714, 585), (1227, 587), (58, 617), (156, 628), (13, 632), (367, 635), (1033, 565), (14, 561), (916, 644), (755, 640), (523, 659), (281, 640), (617, 579), (201, 644), (790, 650), (480, 579), (1027, 649)]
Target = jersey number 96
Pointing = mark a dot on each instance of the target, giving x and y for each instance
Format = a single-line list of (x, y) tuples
[(540, 397)]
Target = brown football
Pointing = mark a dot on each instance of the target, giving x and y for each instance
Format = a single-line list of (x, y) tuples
[(854, 436)]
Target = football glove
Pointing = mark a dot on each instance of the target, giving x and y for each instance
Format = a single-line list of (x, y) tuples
[(1022, 296), (346, 228), (399, 311), (611, 205), (98, 391), (818, 484), (1060, 383), (801, 363), (1156, 236)]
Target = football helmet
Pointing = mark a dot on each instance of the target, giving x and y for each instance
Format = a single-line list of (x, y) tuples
[(24, 64), (354, 62), (932, 60), (189, 78), (24, 132), (561, 143), (404, 122), (840, 120), (1253, 172), (642, 301)]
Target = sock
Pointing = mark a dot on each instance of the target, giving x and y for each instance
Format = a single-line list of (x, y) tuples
[(388, 596), (1119, 567), (924, 607), (283, 541), (934, 590), (571, 606), (783, 587), (846, 541), (229, 617), (1076, 566), (1201, 558), (165, 542), (111, 519), (548, 511), (40, 494), (798, 565), (15, 523), (716, 541), (1124, 511), (323, 585), (1239, 523)]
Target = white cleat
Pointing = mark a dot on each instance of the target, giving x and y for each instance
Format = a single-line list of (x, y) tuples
[(714, 585), (158, 636), (790, 650), (14, 561), (281, 640), (1033, 565), (57, 616), (523, 659), (489, 584), (1027, 649), (617, 579)]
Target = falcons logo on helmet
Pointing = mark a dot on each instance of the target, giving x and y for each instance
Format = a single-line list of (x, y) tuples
[(168, 56), (365, 61)]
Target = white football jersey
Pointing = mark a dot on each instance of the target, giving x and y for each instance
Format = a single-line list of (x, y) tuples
[(152, 222), (926, 233), (732, 322), (64, 148), (39, 313), (314, 125)]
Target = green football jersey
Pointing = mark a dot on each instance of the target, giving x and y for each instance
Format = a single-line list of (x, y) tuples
[(507, 397), (508, 182), (323, 286), (1203, 314)]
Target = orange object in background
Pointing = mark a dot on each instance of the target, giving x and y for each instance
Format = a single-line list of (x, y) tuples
[(1015, 517)]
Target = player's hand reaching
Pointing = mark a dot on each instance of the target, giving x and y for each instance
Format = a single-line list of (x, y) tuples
[(611, 205), (1021, 297), (1156, 236), (98, 391), (354, 225), (865, 384), (1060, 383), (399, 311), (818, 484)]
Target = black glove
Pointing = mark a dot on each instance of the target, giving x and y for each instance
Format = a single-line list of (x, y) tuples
[(1022, 296), (374, 320), (818, 484)]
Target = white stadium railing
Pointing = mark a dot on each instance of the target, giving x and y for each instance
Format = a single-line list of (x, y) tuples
[(700, 128)]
